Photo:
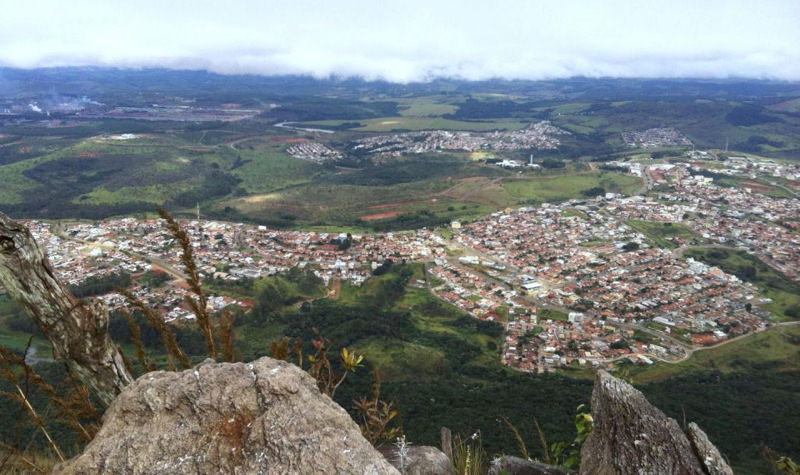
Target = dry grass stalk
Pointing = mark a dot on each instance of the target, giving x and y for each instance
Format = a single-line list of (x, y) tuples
[(279, 349), (157, 322), (9, 360), (198, 305), (225, 336), (523, 449), (298, 351), (16, 462), (548, 459), (136, 336)]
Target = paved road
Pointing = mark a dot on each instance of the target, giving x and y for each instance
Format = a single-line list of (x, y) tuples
[(153, 260)]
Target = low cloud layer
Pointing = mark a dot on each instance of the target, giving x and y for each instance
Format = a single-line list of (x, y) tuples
[(413, 40)]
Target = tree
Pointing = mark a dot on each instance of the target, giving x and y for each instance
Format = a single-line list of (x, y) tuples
[(553, 163), (631, 246), (78, 330)]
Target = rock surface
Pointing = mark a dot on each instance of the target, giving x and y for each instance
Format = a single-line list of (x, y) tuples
[(632, 436), (519, 466), (419, 460), (706, 451), (263, 417)]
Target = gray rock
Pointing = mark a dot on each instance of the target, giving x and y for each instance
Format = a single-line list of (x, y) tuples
[(263, 417), (419, 460), (706, 452), (519, 466), (631, 436)]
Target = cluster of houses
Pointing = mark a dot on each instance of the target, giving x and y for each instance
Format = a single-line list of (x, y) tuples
[(313, 151), (583, 259), (655, 138), (227, 251), (539, 135), (573, 283)]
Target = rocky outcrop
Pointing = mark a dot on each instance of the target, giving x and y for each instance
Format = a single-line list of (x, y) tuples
[(263, 417), (706, 452), (418, 460), (631, 436), (509, 465)]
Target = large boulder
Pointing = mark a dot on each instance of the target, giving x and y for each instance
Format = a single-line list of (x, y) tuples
[(631, 436), (263, 417)]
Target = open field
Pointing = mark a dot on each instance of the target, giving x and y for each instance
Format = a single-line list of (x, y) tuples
[(778, 347), (664, 235), (388, 124), (563, 187), (425, 107), (253, 178)]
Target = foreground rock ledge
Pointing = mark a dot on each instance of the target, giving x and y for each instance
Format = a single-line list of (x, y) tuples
[(630, 436), (262, 417)]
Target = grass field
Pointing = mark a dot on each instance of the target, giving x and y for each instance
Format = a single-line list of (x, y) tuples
[(434, 194), (664, 234), (760, 185), (388, 124), (778, 347), (564, 187), (425, 107), (267, 168), (550, 314)]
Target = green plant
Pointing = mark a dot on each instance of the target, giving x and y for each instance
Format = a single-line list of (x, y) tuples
[(564, 453), (323, 371), (780, 463), (469, 457), (568, 454), (375, 417), (788, 466)]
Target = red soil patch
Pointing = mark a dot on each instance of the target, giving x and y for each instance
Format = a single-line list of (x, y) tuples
[(757, 186), (376, 216), (89, 154), (336, 289), (288, 139)]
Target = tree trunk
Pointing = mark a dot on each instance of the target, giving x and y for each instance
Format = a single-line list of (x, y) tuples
[(78, 330)]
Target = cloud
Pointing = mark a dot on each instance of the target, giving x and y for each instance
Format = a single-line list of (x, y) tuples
[(413, 40)]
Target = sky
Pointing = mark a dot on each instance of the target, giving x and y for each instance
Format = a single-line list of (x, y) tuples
[(412, 40)]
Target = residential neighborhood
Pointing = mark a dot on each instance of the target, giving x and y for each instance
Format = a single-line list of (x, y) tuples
[(579, 283)]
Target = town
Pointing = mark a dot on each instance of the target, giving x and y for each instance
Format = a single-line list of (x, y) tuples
[(539, 135), (579, 283)]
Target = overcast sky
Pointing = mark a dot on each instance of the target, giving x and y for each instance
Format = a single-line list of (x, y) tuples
[(412, 40)]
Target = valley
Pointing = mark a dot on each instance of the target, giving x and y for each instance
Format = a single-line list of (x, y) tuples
[(484, 244)]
